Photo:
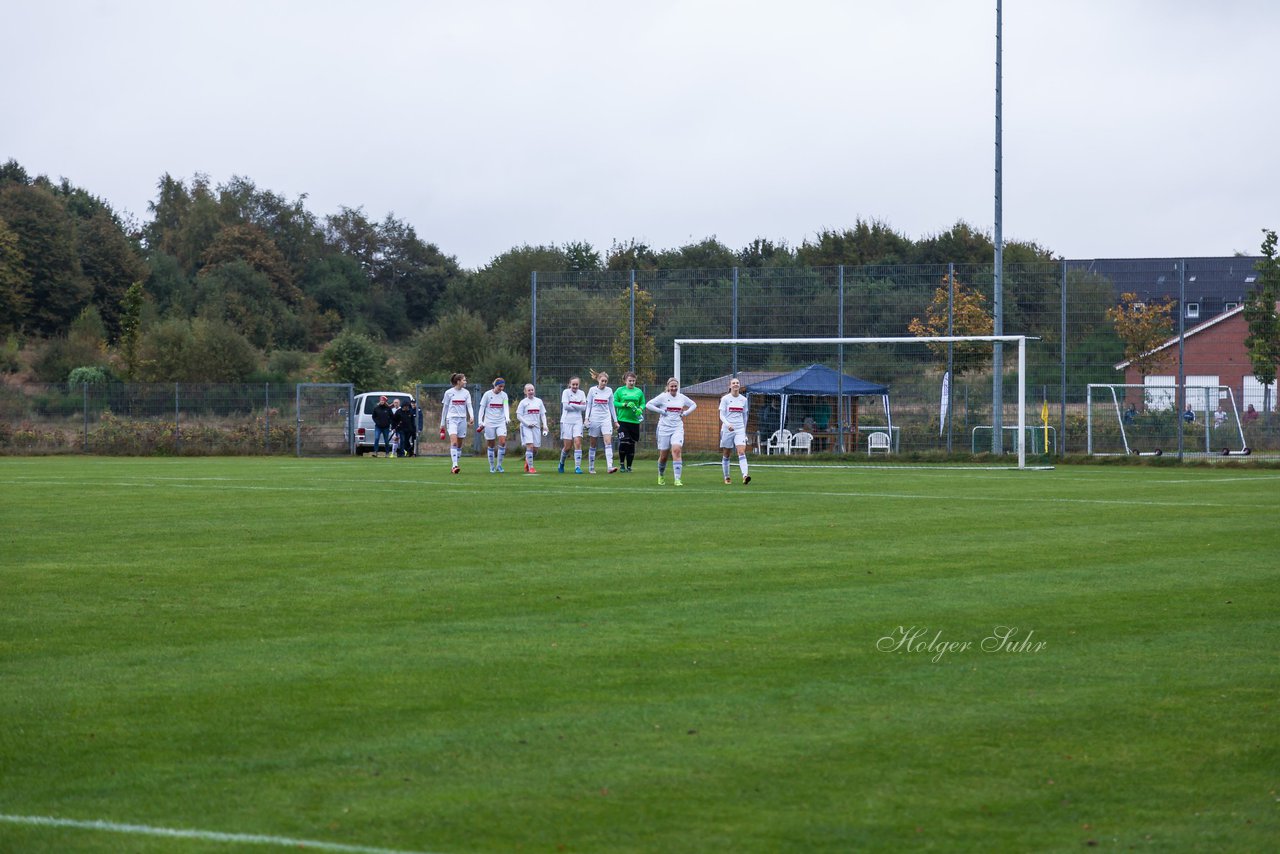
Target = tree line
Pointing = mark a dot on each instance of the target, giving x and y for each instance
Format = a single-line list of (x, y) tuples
[(239, 283)]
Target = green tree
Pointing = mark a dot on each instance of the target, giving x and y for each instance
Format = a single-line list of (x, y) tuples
[(219, 354), (1263, 319), (646, 348), (458, 341), (495, 291), (354, 358), (868, 242), (110, 262), (632, 255), (15, 281), (46, 241), (131, 328)]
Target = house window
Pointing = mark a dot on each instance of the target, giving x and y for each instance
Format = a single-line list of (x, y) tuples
[(1193, 310), (1231, 306)]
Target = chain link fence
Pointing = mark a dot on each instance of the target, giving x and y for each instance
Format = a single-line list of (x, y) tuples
[(940, 401)]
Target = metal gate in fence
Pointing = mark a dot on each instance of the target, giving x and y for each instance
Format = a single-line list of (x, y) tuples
[(325, 419)]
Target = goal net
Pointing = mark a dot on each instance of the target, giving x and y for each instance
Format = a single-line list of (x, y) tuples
[(1148, 419), (869, 396)]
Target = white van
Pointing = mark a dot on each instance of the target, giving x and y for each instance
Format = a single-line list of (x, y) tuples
[(363, 420)]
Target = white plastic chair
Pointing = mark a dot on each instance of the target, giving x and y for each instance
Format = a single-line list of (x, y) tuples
[(877, 441), (779, 442), (802, 441)]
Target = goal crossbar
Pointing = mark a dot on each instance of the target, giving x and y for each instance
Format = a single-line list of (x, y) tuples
[(1020, 340)]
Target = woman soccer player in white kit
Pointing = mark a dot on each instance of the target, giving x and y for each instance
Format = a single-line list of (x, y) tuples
[(733, 429), (491, 422), (573, 403), (531, 414), (454, 417), (672, 406), (602, 422)]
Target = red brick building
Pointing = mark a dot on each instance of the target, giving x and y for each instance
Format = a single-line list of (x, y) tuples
[(1213, 355)]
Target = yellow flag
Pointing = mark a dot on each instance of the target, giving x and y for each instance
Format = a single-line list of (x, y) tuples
[(1044, 413)]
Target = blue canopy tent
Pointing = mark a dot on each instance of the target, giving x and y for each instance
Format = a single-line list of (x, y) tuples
[(821, 381)]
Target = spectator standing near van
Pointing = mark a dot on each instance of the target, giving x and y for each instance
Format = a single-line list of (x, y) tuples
[(573, 403), (406, 425), (455, 414), (382, 419), (531, 414), (601, 422), (491, 422)]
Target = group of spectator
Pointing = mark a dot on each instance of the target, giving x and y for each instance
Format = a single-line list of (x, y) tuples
[(397, 425)]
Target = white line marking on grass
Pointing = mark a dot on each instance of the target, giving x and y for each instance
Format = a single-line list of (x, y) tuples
[(202, 835)]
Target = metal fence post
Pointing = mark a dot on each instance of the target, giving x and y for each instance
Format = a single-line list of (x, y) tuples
[(951, 348), (735, 321), (1062, 404), (632, 323), (177, 426), (533, 327)]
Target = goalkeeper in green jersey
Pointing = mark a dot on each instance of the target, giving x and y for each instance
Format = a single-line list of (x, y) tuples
[(628, 403)]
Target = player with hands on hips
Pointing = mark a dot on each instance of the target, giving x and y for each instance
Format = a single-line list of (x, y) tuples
[(455, 414), (573, 404), (531, 415), (602, 423), (491, 422), (672, 406), (733, 429)]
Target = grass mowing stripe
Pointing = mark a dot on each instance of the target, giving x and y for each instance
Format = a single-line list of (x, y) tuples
[(485, 663), (200, 835)]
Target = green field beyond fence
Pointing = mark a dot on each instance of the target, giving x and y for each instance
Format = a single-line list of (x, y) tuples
[(377, 655)]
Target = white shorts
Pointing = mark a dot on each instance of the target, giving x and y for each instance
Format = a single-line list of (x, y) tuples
[(732, 439), (570, 430), (456, 427), (493, 431), (531, 436), (670, 436), (603, 430)]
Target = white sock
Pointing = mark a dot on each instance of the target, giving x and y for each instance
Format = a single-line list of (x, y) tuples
[(577, 459), (724, 464), (591, 458), (454, 454), (528, 458), (502, 454), (742, 464), (678, 466)]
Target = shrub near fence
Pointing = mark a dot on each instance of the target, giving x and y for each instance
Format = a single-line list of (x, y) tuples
[(145, 419)]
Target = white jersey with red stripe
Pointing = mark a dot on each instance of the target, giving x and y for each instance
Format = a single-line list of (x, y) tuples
[(600, 405), (494, 411), (572, 405), (671, 409), (457, 406), (733, 413)]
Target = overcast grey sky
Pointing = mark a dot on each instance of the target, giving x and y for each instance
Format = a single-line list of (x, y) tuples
[(1131, 127)]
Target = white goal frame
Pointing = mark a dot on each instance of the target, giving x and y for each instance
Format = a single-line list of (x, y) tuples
[(1020, 340), (1212, 394)]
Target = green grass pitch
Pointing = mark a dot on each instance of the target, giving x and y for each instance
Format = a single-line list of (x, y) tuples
[(377, 654)]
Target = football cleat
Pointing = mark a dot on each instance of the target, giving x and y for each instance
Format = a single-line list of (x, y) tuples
[(532, 470), (456, 469), (501, 470), (678, 483), (727, 481), (560, 468), (746, 478), (662, 481), (577, 470), (613, 470)]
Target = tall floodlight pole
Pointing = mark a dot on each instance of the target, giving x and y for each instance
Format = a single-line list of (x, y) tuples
[(997, 358)]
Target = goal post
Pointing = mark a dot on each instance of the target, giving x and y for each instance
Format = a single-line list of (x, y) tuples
[(918, 373), (1156, 418)]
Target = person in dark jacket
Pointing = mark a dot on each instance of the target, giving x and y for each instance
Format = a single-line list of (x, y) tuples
[(406, 424), (382, 417)]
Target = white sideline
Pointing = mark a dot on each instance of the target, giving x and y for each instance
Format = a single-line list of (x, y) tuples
[(203, 835)]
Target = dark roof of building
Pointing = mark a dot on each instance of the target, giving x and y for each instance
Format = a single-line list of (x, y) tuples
[(1214, 281)]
